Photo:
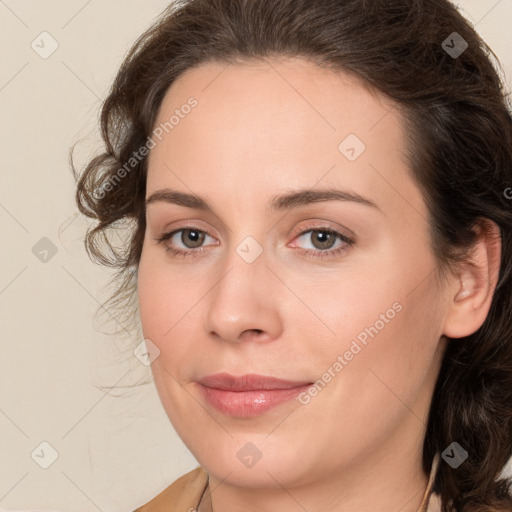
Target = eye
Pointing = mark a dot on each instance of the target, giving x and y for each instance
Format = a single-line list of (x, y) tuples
[(191, 238), (323, 239)]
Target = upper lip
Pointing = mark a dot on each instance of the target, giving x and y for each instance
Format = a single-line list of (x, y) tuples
[(248, 382)]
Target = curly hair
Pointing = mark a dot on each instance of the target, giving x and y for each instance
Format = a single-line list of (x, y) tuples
[(459, 130)]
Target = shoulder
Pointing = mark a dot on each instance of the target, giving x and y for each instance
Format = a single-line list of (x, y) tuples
[(183, 493)]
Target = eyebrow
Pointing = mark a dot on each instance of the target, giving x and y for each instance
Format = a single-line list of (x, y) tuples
[(284, 202)]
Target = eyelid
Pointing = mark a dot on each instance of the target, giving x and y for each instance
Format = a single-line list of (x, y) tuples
[(171, 232), (326, 226)]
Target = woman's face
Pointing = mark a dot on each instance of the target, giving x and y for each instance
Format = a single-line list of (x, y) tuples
[(287, 275)]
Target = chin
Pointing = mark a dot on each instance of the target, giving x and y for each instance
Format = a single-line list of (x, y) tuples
[(256, 462)]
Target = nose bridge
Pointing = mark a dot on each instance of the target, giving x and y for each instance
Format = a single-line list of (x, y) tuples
[(242, 300)]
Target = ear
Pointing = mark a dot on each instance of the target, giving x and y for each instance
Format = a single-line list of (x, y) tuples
[(473, 290)]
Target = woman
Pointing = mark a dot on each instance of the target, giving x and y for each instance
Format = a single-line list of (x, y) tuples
[(321, 251)]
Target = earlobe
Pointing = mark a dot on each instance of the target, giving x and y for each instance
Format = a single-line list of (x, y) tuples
[(475, 283)]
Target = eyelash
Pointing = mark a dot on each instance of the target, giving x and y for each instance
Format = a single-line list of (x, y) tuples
[(313, 253)]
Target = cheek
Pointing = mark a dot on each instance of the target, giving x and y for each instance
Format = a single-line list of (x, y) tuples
[(171, 316), (161, 301), (163, 307), (152, 299), (374, 373), (386, 331)]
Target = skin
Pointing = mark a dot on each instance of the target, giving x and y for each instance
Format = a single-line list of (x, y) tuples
[(261, 129)]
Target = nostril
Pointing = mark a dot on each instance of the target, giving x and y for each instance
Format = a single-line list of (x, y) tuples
[(249, 332)]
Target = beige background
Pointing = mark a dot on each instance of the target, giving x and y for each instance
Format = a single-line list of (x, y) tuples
[(117, 449)]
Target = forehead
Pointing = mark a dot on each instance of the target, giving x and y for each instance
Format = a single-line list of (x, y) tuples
[(263, 95), (278, 124)]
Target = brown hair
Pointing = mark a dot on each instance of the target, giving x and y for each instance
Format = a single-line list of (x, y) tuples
[(460, 154)]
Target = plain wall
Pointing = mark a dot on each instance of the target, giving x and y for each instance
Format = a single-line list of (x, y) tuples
[(116, 450)]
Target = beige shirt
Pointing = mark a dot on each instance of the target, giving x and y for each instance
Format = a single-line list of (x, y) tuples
[(184, 495)]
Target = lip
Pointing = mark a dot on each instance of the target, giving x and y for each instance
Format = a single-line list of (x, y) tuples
[(248, 395)]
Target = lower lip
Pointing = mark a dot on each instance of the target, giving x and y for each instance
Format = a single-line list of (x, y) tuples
[(248, 404)]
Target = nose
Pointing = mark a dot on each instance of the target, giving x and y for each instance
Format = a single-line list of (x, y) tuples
[(244, 303)]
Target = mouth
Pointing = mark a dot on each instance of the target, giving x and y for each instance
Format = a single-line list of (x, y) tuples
[(248, 395)]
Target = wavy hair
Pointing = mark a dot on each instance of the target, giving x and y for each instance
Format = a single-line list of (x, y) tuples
[(459, 129)]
